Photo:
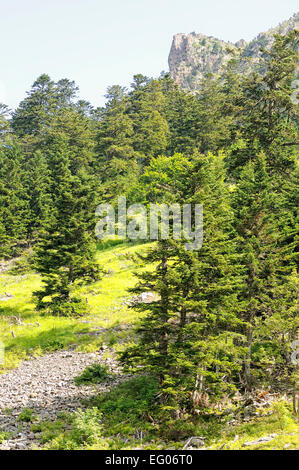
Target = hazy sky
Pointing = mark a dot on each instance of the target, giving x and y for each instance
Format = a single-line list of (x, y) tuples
[(99, 43)]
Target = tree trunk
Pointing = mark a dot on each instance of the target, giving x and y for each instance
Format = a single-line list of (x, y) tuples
[(247, 363), (296, 398)]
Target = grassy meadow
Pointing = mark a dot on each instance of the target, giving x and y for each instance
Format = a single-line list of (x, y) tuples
[(38, 334)]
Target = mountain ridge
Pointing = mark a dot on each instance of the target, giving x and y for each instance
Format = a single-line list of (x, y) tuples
[(194, 55)]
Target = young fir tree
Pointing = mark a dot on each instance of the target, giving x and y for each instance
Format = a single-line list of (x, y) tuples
[(255, 204), (163, 182), (14, 209), (187, 334), (43, 103), (116, 158), (211, 340), (36, 183), (182, 117), (148, 113), (64, 255), (268, 115), (289, 223)]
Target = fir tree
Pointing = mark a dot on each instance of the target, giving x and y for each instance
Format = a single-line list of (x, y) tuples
[(4, 121), (64, 255), (14, 209), (117, 160), (187, 334), (147, 110), (267, 115), (255, 206), (44, 101), (182, 117), (36, 183)]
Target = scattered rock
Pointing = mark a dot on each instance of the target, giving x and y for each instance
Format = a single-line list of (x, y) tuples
[(144, 297), (194, 442), (46, 386), (6, 297), (260, 440)]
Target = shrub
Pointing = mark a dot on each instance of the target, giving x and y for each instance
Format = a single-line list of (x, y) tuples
[(86, 432), (22, 265), (129, 402), (74, 307), (95, 373), (27, 416), (4, 436)]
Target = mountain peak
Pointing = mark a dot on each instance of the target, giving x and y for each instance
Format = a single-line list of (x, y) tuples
[(194, 55)]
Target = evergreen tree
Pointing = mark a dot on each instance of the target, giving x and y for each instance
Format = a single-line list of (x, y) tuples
[(80, 134), (276, 333), (36, 183), (147, 110), (187, 334), (117, 160), (182, 117), (14, 210), (267, 118), (212, 339), (64, 255), (289, 223), (255, 205), (4, 122), (213, 123), (44, 101)]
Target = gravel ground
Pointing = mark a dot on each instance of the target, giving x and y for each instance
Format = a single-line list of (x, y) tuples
[(46, 386)]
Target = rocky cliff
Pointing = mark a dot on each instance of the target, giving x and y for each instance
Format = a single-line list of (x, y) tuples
[(194, 55)]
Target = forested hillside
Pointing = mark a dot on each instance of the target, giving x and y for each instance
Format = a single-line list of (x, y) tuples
[(200, 341)]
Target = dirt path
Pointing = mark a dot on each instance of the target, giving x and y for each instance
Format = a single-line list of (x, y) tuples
[(46, 386)]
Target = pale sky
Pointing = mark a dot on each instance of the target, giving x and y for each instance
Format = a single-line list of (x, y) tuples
[(99, 43)]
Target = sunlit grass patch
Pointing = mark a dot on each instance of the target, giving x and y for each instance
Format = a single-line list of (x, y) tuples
[(280, 425), (27, 333)]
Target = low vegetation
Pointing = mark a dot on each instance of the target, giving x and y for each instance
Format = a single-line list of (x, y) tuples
[(127, 418), (28, 333), (94, 374)]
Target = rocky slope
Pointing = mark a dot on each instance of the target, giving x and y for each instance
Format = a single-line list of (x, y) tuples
[(194, 55), (46, 386)]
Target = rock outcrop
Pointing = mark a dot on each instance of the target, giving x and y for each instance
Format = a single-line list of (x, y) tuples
[(194, 55)]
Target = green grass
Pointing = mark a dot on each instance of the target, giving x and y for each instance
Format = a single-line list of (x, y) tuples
[(129, 417), (4, 436), (27, 416), (108, 421), (93, 374), (278, 419), (127, 406), (42, 334), (72, 431)]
